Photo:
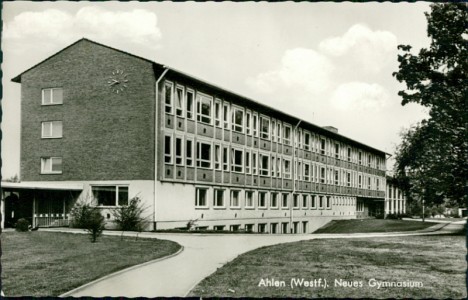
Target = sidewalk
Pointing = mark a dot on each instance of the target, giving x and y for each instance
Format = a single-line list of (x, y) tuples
[(203, 254)]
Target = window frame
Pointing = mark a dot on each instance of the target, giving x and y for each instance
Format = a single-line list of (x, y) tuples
[(216, 200), (169, 107), (179, 110), (265, 199), (202, 118), (51, 96), (252, 199), (189, 160), (50, 171), (181, 156), (263, 134), (197, 198), (237, 168), (117, 187), (51, 136), (287, 130), (262, 170), (274, 200), (231, 205), (190, 110), (236, 127), (218, 111), (199, 160), (169, 155), (285, 196)]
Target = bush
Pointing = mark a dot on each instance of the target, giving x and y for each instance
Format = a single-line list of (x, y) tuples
[(392, 217), (129, 217), (87, 217), (22, 225)]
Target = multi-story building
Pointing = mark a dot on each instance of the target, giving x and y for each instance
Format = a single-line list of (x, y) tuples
[(100, 122)]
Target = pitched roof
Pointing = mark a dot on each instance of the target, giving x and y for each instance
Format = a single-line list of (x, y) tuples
[(316, 127)]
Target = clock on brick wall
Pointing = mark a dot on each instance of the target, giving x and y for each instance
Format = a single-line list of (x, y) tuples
[(118, 81)]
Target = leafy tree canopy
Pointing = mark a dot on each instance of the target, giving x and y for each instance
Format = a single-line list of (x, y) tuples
[(432, 157)]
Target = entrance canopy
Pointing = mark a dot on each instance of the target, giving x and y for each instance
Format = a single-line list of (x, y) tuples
[(42, 186)]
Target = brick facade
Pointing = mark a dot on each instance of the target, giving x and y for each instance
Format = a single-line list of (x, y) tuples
[(106, 136)]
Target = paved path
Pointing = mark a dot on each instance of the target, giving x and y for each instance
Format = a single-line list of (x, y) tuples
[(202, 255)]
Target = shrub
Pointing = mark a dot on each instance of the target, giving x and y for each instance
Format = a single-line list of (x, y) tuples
[(129, 217), (22, 225), (392, 217), (87, 217)]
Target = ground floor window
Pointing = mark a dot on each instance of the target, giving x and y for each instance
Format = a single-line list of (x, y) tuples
[(219, 227), (328, 202), (284, 227), (284, 201), (201, 197), (313, 204), (320, 202), (274, 227), (304, 201), (218, 200), (262, 199), (296, 201), (249, 227), (110, 195), (234, 228), (249, 202), (262, 228), (274, 200), (304, 226), (235, 199)]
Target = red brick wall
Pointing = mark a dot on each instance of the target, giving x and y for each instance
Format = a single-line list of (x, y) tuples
[(106, 136)]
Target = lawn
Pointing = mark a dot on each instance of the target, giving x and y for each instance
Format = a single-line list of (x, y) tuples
[(49, 263), (372, 225), (438, 262)]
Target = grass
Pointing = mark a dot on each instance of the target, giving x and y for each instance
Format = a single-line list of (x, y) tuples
[(438, 262), (49, 264), (371, 225)]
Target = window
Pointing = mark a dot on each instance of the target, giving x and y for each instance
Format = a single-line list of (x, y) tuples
[(306, 141), (262, 199), (322, 146), (349, 179), (248, 123), (377, 184), (51, 165), (360, 181), (237, 162), (349, 154), (328, 202), (273, 165), (189, 153), (264, 128), (168, 149), (369, 160), (189, 99), (278, 132), (313, 204), (226, 115), (201, 197), (168, 97), (273, 130), (249, 201), (368, 183), (304, 201), (287, 135), (295, 201), (254, 163), (52, 96), (203, 155), (254, 124), (274, 200), (287, 168), (247, 162), (218, 200), (278, 167), (321, 202), (110, 195), (52, 129), (264, 162), (217, 113), (306, 171), (179, 97), (337, 151), (237, 119), (235, 199), (322, 175), (360, 157), (225, 159), (204, 108), (178, 151), (217, 157), (284, 201), (337, 175)]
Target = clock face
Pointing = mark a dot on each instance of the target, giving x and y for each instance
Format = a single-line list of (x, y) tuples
[(118, 81)]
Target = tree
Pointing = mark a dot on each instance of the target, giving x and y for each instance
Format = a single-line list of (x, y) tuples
[(432, 157)]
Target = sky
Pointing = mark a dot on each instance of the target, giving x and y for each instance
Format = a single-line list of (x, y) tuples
[(328, 63)]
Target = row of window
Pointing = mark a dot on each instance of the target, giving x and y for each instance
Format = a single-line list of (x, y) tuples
[(223, 198), (222, 114), (274, 227), (236, 159)]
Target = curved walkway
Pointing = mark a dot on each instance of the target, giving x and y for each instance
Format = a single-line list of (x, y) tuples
[(202, 255)]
